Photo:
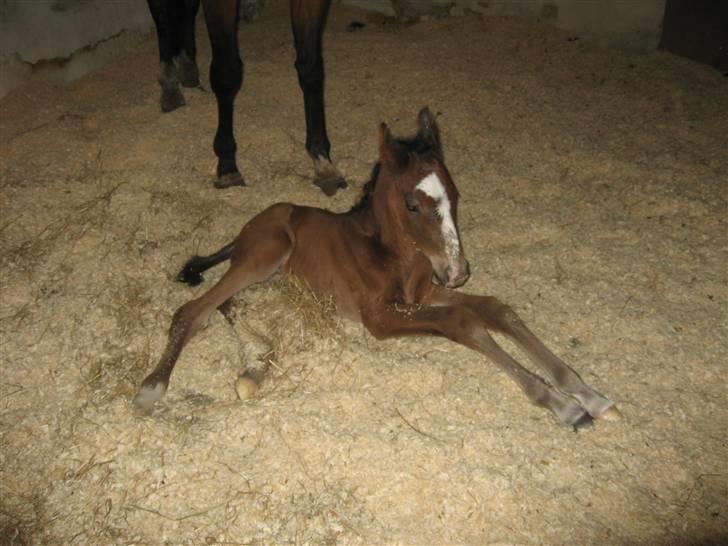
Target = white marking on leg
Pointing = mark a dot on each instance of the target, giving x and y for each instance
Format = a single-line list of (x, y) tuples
[(432, 186), (147, 396)]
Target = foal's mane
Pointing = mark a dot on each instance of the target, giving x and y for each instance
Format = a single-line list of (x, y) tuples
[(406, 150), (367, 192)]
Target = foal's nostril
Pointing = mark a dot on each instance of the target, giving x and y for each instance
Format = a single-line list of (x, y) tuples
[(459, 276)]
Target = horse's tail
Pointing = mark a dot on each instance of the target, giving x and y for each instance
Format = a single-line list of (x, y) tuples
[(191, 273)]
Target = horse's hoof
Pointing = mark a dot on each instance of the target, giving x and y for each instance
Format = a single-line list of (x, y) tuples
[(229, 180), (146, 398), (327, 177), (331, 185), (171, 99)]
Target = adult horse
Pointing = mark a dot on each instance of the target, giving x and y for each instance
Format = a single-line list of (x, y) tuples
[(175, 24), (378, 261)]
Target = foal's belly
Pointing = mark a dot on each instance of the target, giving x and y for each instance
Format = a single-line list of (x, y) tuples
[(322, 258), (323, 283)]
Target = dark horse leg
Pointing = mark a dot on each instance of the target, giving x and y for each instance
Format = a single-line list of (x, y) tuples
[(175, 24), (226, 78), (186, 62), (307, 20)]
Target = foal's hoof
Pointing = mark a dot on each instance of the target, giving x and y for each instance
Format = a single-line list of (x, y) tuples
[(229, 180), (147, 396), (246, 387), (327, 177), (611, 414)]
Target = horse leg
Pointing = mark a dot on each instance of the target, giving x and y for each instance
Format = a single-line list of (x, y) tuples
[(226, 78), (307, 20), (502, 318), (186, 61), (165, 20), (258, 254), (462, 325)]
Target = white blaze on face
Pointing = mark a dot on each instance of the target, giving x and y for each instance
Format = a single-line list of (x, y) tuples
[(432, 186)]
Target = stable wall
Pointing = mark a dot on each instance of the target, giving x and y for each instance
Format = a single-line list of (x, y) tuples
[(626, 24), (62, 40)]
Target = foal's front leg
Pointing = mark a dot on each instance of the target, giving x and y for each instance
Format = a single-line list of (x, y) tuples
[(502, 318), (464, 326)]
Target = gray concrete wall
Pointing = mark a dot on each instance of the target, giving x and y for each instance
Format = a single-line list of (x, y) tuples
[(627, 24), (64, 39)]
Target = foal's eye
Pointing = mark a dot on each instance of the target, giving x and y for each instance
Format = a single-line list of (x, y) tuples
[(411, 203)]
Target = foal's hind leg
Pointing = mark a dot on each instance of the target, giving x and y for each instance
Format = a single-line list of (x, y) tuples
[(502, 318), (256, 257)]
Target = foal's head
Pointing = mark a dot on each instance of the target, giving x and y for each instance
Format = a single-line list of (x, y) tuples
[(422, 200)]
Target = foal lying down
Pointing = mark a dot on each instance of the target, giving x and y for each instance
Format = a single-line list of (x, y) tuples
[(379, 261)]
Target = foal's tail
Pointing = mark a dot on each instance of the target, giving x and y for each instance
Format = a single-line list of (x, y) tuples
[(191, 273)]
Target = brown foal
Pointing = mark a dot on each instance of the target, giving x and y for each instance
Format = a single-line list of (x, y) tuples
[(379, 261)]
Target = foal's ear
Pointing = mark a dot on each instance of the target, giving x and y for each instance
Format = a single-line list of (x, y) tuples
[(388, 148), (428, 130)]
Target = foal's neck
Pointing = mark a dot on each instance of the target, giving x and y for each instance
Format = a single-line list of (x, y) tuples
[(387, 222)]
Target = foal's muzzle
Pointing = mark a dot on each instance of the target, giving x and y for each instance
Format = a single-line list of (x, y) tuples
[(453, 277), (459, 277)]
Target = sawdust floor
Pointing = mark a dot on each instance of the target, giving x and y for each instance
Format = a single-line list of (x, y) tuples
[(593, 200)]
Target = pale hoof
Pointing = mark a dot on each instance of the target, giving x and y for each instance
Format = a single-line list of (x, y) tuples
[(246, 387), (611, 414)]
